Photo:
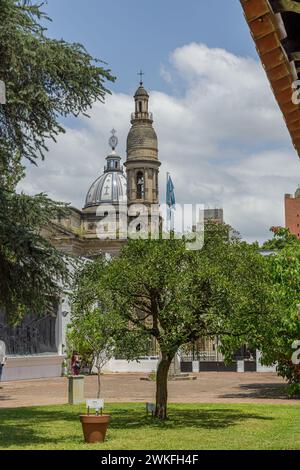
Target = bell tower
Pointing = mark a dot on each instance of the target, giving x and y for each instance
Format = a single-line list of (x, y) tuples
[(142, 162)]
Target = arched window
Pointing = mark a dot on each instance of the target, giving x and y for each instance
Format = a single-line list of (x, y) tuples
[(140, 106), (140, 185)]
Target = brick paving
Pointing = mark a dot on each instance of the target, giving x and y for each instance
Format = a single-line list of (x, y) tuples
[(211, 387)]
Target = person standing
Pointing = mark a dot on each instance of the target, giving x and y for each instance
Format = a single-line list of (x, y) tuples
[(2, 357), (75, 363)]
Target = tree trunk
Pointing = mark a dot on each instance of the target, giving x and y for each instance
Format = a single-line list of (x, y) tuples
[(162, 386), (99, 383)]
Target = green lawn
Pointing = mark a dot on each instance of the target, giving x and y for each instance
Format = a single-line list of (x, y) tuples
[(191, 427)]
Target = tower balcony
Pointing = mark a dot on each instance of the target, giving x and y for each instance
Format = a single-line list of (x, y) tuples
[(141, 115)]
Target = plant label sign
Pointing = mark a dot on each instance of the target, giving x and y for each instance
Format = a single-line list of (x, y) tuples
[(95, 404), (150, 407)]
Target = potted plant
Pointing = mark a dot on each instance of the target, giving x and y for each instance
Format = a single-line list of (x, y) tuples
[(93, 332), (94, 426)]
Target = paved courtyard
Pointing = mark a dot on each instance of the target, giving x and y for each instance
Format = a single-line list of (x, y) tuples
[(210, 387)]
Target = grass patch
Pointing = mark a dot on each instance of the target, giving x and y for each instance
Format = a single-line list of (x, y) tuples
[(189, 427)]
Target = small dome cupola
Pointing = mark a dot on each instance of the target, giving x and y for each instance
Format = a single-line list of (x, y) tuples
[(111, 186), (141, 98)]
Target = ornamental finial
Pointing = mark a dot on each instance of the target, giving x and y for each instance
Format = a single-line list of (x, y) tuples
[(113, 141), (141, 74)]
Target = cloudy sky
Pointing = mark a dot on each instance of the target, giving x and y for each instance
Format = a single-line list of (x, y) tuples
[(221, 134)]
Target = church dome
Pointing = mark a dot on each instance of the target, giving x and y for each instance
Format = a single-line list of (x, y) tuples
[(111, 186), (141, 92), (142, 136)]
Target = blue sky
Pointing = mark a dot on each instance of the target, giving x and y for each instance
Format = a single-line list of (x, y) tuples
[(221, 134), (134, 34)]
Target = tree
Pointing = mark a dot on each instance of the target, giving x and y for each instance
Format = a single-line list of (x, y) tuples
[(46, 79), (97, 330), (277, 338), (32, 272), (281, 238), (177, 296), (91, 334)]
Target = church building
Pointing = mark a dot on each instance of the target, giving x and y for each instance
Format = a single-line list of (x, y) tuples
[(85, 232)]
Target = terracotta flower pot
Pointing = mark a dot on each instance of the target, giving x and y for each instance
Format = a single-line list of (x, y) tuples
[(94, 427)]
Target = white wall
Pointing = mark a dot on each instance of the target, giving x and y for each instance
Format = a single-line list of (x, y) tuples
[(143, 366), (32, 367)]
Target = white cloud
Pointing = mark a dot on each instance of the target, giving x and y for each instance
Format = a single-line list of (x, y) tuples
[(165, 74), (223, 140)]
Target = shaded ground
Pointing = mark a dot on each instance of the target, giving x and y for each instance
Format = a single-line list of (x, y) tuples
[(211, 387), (190, 426)]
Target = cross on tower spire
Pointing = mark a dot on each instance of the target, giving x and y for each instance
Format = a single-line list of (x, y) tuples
[(141, 74)]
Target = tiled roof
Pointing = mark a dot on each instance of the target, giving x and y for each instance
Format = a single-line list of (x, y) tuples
[(275, 28)]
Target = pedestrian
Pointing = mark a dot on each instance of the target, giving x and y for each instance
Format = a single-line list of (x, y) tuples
[(75, 363), (2, 357)]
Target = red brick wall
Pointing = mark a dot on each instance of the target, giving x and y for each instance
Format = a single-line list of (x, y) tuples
[(292, 215)]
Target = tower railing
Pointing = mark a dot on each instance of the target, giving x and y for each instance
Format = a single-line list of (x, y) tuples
[(142, 116)]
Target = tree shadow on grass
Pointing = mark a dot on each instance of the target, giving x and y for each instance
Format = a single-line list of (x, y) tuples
[(202, 419), (28, 426), (25, 435), (32, 415), (259, 390)]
